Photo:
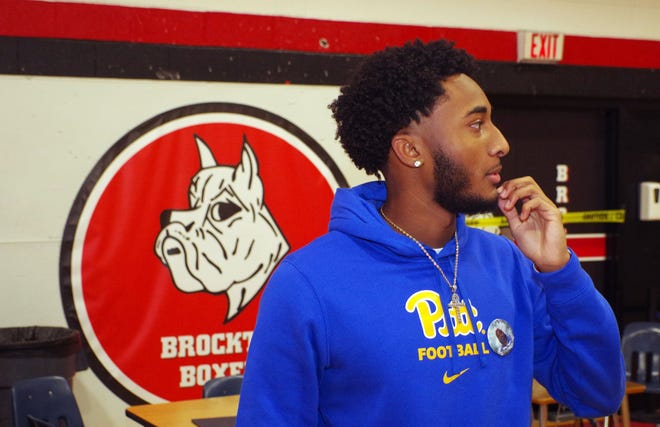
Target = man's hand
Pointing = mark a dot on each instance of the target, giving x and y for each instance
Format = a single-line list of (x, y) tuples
[(537, 229)]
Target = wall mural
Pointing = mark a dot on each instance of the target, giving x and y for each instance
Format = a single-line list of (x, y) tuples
[(174, 234)]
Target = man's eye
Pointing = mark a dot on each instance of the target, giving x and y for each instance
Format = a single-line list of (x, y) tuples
[(476, 125), (220, 211)]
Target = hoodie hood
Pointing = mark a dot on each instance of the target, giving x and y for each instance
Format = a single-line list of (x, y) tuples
[(355, 211)]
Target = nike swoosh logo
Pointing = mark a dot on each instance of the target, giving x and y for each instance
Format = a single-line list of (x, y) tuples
[(448, 379)]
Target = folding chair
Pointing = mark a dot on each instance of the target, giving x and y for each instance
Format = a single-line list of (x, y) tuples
[(223, 386), (45, 401), (640, 344)]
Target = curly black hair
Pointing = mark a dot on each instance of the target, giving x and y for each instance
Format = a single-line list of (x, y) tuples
[(391, 88)]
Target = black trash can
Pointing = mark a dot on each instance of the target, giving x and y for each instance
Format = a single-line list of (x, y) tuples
[(35, 351)]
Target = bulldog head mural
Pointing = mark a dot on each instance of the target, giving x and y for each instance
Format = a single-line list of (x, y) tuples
[(227, 242)]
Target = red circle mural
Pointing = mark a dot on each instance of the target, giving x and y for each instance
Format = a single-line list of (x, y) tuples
[(175, 233)]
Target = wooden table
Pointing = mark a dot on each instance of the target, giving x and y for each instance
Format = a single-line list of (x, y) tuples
[(181, 413), (541, 397)]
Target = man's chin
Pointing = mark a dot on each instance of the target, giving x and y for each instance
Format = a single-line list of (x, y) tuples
[(459, 201), (474, 206)]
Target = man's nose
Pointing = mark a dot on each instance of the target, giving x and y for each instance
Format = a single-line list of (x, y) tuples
[(499, 145)]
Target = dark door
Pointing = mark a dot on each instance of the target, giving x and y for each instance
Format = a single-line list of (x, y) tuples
[(567, 151)]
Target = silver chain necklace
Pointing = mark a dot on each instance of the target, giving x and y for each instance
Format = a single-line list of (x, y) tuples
[(455, 300)]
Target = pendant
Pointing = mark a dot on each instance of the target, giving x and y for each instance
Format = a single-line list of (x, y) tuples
[(455, 301), (456, 304)]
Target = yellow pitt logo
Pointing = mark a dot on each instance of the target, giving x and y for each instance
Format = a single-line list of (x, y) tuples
[(434, 321)]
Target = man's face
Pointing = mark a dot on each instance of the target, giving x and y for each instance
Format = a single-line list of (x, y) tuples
[(466, 147)]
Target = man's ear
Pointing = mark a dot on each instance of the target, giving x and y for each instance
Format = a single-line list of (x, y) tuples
[(404, 147)]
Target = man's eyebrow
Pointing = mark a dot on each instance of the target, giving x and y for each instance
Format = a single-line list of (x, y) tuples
[(480, 109)]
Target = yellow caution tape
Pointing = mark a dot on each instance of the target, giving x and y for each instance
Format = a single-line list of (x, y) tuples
[(585, 217)]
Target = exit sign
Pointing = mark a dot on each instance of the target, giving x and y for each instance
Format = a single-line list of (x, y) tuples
[(540, 47)]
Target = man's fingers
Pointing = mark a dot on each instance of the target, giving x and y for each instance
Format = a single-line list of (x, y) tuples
[(528, 206), (521, 190), (510, 213)]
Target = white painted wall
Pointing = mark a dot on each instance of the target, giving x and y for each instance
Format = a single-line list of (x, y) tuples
[(55, 129)]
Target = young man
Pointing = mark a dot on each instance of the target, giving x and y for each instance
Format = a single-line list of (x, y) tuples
[(401, 315)]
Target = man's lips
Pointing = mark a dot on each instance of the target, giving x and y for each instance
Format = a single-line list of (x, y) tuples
[(494, 175)]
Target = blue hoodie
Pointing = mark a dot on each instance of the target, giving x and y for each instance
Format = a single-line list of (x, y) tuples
[(354, 330)]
